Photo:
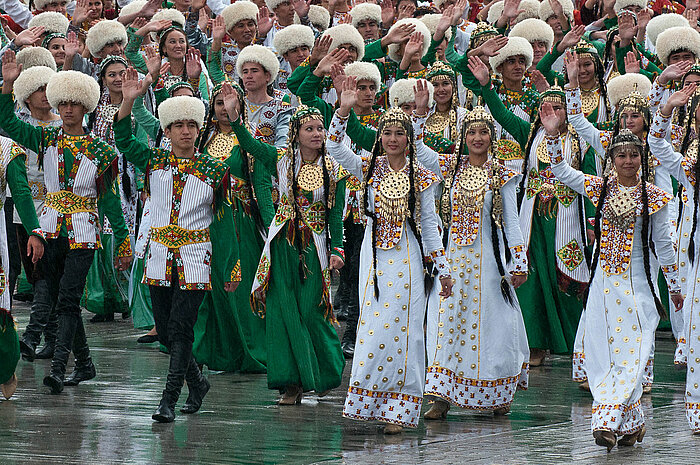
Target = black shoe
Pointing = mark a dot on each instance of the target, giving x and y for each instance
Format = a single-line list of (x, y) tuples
[(126, 315), (348, 349), (165, 412), (147, 339), (46, 352), (24, 297), (54, 382), (102, 318), (198, 386), (27, 351), (81, 374), (342, 314)]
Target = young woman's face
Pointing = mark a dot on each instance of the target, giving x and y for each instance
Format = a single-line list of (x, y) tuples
[(312, 134), (57, 47), (96, 8), (175, 46), (113, 77), (586, 70), (627, 160), (632, 120), (443, 91), (394, 140), (478, 140), (220, 109)]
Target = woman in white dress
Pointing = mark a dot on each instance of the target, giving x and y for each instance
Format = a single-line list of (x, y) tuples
[(386, 382), (623, 308)]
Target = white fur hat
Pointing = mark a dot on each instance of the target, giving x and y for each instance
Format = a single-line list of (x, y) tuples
[(516, 46), (35, 56), (39, 5), (73, 86), (546, 11), (319, 17), (438, 3), (620, 87), (531, 7), (363, 70), (238, 12), (51, 21), (272, 4), (431, 21), (182, 108), (660, 23), (103, 33), (534, 30), (29, 81), (261, 55), (393, 51), (403, 91), (365, 11), (131, 8), (170, 14), (622, 4), (293, 36), (676, 39), (346, 34)]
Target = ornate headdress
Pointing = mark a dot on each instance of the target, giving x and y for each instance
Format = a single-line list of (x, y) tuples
[(554, 94), (302, 114), (179, 85), (585, 49), (635, 100), (624, 138), (394, 116), (479, 118), (440, 70), (482, 33), (49, 37), (110, 60), (695, 69)]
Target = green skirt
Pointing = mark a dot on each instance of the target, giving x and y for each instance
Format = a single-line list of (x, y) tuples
[(9, 346), (551, 316), (228, 336), (106, 289), (302, 346), (140, 298)]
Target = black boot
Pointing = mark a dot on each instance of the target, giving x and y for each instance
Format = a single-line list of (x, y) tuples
[(67, 323), (27, 350), (198, 387), (84, 368), (180, 355), (102, 318), (46, 352)]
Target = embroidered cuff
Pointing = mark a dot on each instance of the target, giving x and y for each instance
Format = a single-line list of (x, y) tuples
[(659, 127), (339, 252), (338, 128), (418, 125), (194, 82), (124, 249), (519, 260), (440, 261), (39, 233), (671, 275), (554, 148), (236, 273), (573, 100)]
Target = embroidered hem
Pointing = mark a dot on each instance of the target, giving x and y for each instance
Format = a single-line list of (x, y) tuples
[(389, 407), (692, 413), (617, 418), (680, 357), (649, 372), (578, 372)]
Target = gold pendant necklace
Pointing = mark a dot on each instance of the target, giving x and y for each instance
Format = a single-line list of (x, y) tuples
[(621, 209), (437, 122), (393, 195), (589, 100), (221, 146), (471, 186), (310, 177)]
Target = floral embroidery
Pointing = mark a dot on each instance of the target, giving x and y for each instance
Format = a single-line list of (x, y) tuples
[(571, 255)]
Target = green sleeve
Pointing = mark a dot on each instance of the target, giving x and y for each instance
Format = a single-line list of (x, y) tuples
[(363, 136), (307, 95), (400, 73), (429, 57), (298, 75), (545, 66), (451, 54), (25, 134), (132, 52), (216, 73), (110, 205), (135, 151), (335, 219), (374, 51), (517, 127), (161, 95), (588, 167), (224, 214), (262, 185), (652, 69), (265, 153), (609, 23), (145, 119), (21, 194), (620, 53)]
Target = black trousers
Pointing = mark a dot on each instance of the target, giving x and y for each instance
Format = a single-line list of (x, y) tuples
[(175, 312), (66, 273), (350, 275)]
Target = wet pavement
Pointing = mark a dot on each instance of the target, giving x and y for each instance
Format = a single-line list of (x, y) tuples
[(108, 420)]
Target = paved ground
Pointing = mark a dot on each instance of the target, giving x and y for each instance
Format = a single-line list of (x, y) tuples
[(108, 420)]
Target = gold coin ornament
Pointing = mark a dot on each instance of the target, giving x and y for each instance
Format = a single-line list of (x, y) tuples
[(589, 100), (221, 146), (542, 153), (393, 195), (621, 209), (471, 186), (310, 177)]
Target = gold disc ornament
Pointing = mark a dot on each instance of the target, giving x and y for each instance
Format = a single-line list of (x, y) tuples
[(310, 177), (221, 146), (393, 195), (589, 100)]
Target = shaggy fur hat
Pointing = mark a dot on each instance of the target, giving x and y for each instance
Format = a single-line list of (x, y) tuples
[(238, 12), (620, 87), (546, 11), (531, 7), (346, 34), (51, 21), (534, 30), (39, 5), (393, 52), (291, 37), (676, 39), (73, 86), (402, 91), (622, 4), (35, 56), (272, 4), (516, 46), (182, 108), (364, 71), (103, 33), (431, 21), (660, 23), (131, 8), (365, 11), (319, 17), (31, 80), (170, 14), (261, 55)]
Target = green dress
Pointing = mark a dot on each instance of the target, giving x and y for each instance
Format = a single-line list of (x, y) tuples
[(303, 348), (228, 335)]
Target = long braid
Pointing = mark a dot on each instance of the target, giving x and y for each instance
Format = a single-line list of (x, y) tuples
[(600, 74), (495, 239), (376, 151), (645, 244), (596, 231), (581, 218), (526, 162), (696, 198), (297, 214), (446, 197), (326, 195), (411, 218)]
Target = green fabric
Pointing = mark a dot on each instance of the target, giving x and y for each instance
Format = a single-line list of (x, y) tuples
[(302, 346), (216, 73), (9, 346), (16, 175), (545, 67), (145, 119), (664, 296), (517, 127), (650, 71), (374, 51), (551, 316), (106, 289), (140, 305), (22, 286)]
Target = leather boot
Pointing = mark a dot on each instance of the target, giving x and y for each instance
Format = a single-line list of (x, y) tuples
[(27, 350), (84, 368), (67, 323), (198, 387), (180, 355), (46, 352)]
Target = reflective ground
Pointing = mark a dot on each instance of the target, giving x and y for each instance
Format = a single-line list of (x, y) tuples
[(108, 420)]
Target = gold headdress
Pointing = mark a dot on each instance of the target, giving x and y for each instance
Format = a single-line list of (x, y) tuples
[(625, 138), (635, 101), (585, 49), (441, 70), (554, 94), (482, 33), (479, 118)]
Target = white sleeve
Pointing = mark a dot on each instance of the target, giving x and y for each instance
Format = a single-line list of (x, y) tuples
[(217, 6), (663, 247), (662, 149), (582, 126), (341, 152), (427, 156), (561, 169), (432, 242), (18, 11)]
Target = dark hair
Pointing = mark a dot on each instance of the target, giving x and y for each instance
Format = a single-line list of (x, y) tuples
[(161, 47), (686, 119)]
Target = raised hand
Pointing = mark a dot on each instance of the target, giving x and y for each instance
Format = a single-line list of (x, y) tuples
[(337, 56), (265, 21), (444, 23), (458, 11), (72, 46), (479, 70), (491, 47), (153, 26), (631, 63), (692, 17), (511, 9), (571, 38), (198, 4), (193, 63), (643, 18), (348, 96), (10, 68), (406, 10), (29, 36), (414, 46), (626, 21), (138, 23), (549, 119), (82, 12), (539, 81), (231, 102), (320, 50), (399, 34), (422, 96), (674, 72), (153, 62), (557, 8), (301, 7), (677, 99), (338, 76), (150, 8), (571, 61), (387, 13), (131, 87)]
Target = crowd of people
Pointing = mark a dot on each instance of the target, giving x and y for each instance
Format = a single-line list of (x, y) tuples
[(493, 183)]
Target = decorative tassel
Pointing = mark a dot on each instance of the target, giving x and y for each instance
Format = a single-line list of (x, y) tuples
[(505, 290)]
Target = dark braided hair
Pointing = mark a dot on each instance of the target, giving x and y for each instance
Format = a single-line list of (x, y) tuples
[(600, 76), (687, 122)]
